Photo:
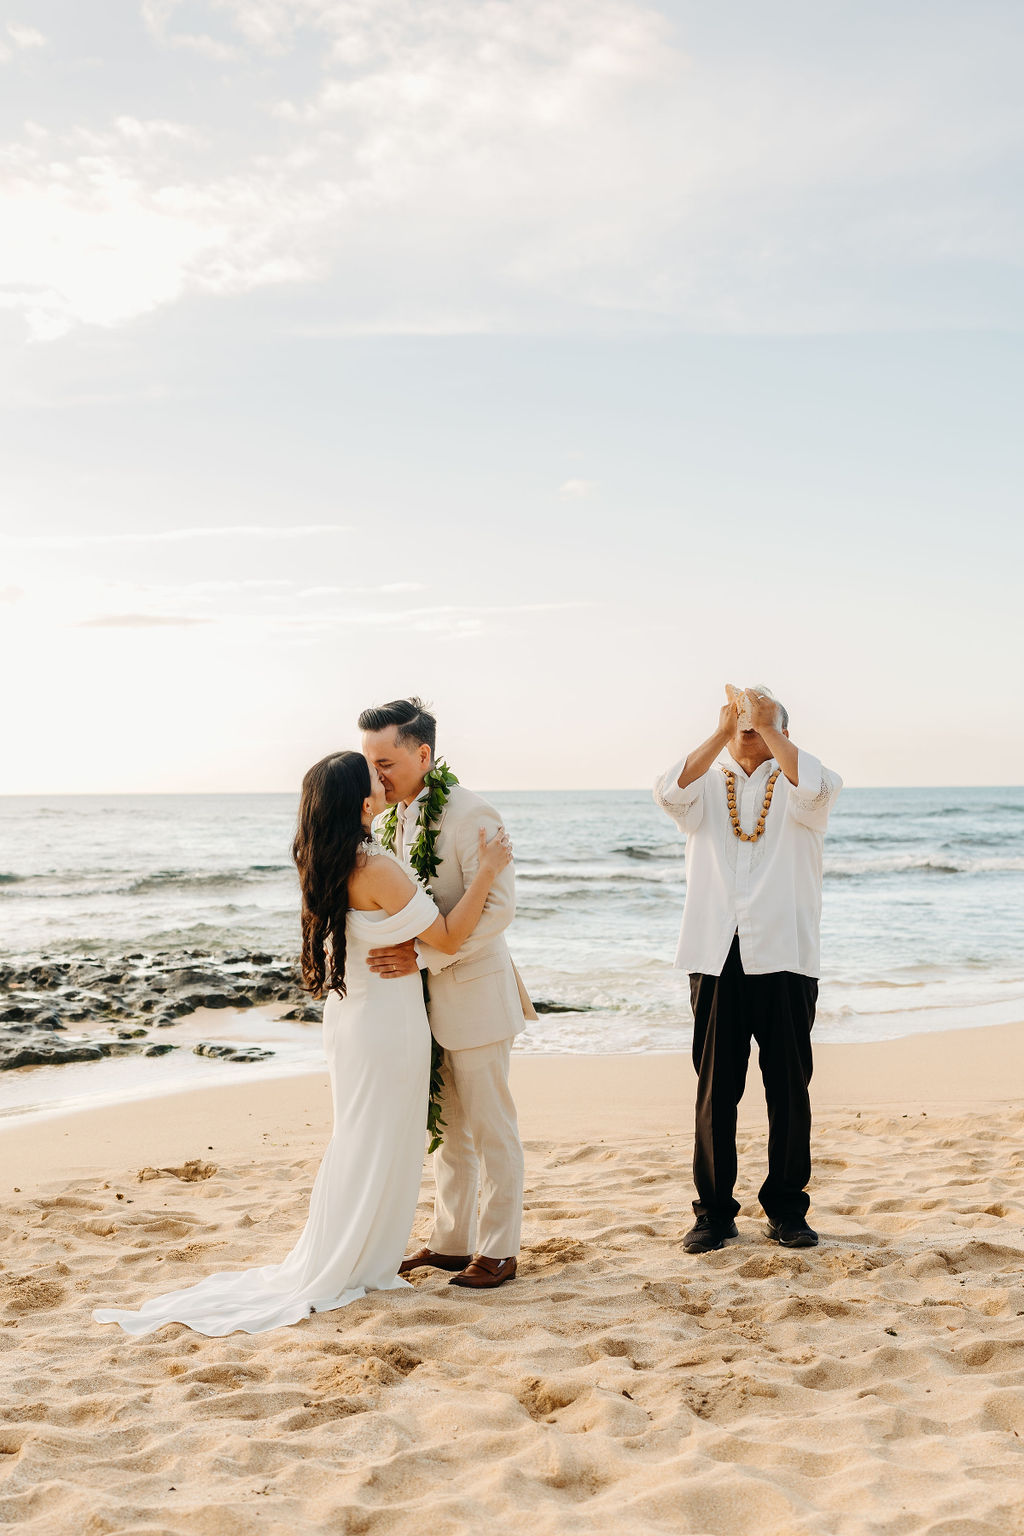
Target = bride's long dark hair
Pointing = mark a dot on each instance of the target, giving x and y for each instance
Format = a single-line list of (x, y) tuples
[(326, 850)]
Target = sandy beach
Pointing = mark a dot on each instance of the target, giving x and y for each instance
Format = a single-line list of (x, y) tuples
[(873, 1385)]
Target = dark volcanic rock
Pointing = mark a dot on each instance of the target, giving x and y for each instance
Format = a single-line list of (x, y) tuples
[(112, 1045), (230, 1052), (544, 1005), (192, 980), (21, 1045), (21, 1051), (312, 1013), (264, 992), (40, 1000), (44, 976)]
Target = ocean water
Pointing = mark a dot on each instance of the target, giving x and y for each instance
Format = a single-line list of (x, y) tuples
[(921, 931)]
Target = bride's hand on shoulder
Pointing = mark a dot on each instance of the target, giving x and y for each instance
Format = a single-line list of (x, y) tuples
[(496, 854)]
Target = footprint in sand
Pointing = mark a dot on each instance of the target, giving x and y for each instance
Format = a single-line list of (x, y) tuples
[(617, 1348), (167, 1226), (227, 1376), (367, 1366), (730, 1399), (767, 1266), (67, 1203), (1007, 1355), (101, 1227), (551, 1250), (807, 1309), (542, 1398), (190, 1252), (24, 1294), (208, 1403), (312, 1414)]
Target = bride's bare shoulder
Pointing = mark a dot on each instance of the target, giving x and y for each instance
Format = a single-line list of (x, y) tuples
[(371, 858), (361, 876), (378, 872)]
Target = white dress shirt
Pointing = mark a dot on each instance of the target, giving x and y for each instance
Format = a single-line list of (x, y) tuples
[(406, 830), (769, 892)]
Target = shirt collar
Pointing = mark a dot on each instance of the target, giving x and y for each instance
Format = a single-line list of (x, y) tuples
[(405, 812), (728, 761)]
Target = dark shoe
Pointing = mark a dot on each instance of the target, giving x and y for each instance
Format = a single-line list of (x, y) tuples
[(791, 1232), (483, 1274), (709, 1233), (425, 1259)]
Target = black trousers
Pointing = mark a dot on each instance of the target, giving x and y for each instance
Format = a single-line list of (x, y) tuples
[(777, 1010)]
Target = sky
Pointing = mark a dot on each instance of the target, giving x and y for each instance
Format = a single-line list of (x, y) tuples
[(557, 360)]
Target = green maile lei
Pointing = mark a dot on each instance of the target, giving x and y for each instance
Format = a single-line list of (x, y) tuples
[(423, 857)]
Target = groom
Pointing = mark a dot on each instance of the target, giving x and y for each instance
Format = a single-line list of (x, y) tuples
[(477, 1006)]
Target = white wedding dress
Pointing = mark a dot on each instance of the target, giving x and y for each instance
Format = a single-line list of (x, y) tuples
[(364, 1198)]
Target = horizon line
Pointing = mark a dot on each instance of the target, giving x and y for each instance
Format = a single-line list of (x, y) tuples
[(610, 789)]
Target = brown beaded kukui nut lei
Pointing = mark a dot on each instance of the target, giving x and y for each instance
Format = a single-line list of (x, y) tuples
[(730, 796)]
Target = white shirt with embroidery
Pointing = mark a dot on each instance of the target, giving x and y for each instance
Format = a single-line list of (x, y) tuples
[(769, 891)]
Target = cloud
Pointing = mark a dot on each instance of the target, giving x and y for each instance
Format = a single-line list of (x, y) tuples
[(490, 140), (453, 619), (24, 37), (457, 620), (140, 621), (475, 165), (387, 589), (170, 536), (217, 587), (158, 16), (149, 132), (577, 490), (202, 43)]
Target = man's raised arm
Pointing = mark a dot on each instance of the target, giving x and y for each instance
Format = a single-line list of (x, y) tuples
[(696, 765), (679, 792), (764, 720), (815, 788)]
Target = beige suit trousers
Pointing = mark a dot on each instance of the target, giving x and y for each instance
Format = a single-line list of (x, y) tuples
[(480, 1160)]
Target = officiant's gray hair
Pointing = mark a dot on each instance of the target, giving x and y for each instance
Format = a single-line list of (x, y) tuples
[(411, 717)]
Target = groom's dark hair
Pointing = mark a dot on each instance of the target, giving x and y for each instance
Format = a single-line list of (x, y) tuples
[(411, 716)]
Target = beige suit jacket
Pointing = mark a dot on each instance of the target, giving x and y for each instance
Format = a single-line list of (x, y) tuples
[(476, 995)]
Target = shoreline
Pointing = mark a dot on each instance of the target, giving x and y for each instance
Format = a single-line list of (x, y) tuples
[(586, 1097), (268, 1044)]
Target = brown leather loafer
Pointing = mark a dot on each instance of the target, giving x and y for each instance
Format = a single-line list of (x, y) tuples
[(425, 1258), (484, 1274)]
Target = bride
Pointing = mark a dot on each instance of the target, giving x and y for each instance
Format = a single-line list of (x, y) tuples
[(355, 896)]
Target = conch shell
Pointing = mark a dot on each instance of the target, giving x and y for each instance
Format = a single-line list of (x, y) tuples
[(741, 697)]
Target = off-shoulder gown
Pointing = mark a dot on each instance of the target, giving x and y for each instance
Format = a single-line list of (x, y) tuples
[(361, 1210)]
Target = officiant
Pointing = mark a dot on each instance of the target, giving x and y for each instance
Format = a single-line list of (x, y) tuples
[(754, 808)]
